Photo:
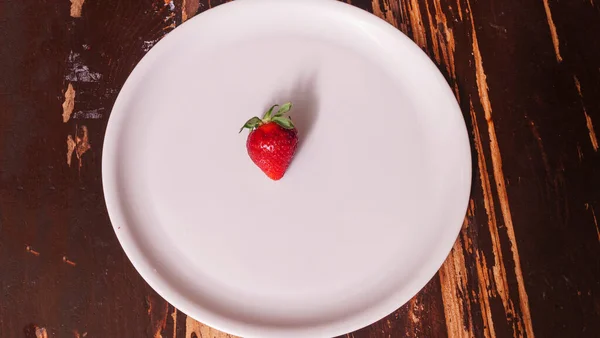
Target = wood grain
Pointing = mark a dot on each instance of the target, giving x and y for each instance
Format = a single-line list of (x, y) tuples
[(526, 75)]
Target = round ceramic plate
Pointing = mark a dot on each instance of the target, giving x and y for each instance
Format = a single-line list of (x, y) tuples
[(368, 210)]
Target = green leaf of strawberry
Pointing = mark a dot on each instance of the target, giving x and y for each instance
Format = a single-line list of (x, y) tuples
[(267, 115), (285, 122), (252, 123), (284, 109)]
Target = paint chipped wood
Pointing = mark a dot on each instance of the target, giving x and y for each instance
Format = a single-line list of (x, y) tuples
[(31, 251), (588, 120), (500, 181), (553, 33), (41, 332), (76, 7), (158, 311), (386, 9), (457, 309), (189, 9), (520, 266), (416, 23), (174, 318), (195, 329), (592, 132), (69, 103), (82, 141), (595, 220), (71, 144), (68, 261)]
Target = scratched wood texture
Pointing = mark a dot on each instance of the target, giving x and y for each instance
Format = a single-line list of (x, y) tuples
[(526, 74)]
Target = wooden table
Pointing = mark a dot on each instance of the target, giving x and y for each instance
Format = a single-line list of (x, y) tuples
[(526, 73)]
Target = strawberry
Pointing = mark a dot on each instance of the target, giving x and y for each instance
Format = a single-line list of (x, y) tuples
[(272, 141)]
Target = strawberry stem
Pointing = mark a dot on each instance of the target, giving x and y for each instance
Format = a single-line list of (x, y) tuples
[(284, 122), (267, 115)]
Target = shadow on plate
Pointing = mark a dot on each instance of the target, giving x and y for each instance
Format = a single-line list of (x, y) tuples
[(305, 108)]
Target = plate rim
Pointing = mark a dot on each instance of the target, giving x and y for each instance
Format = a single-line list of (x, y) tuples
[(143, 266)]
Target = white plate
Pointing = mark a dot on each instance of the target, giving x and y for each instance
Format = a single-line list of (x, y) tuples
[(364, 217)]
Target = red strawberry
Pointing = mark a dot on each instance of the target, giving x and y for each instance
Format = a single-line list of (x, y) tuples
[(272, 141)]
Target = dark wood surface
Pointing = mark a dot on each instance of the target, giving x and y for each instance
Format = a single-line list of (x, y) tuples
[(526, 74)]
